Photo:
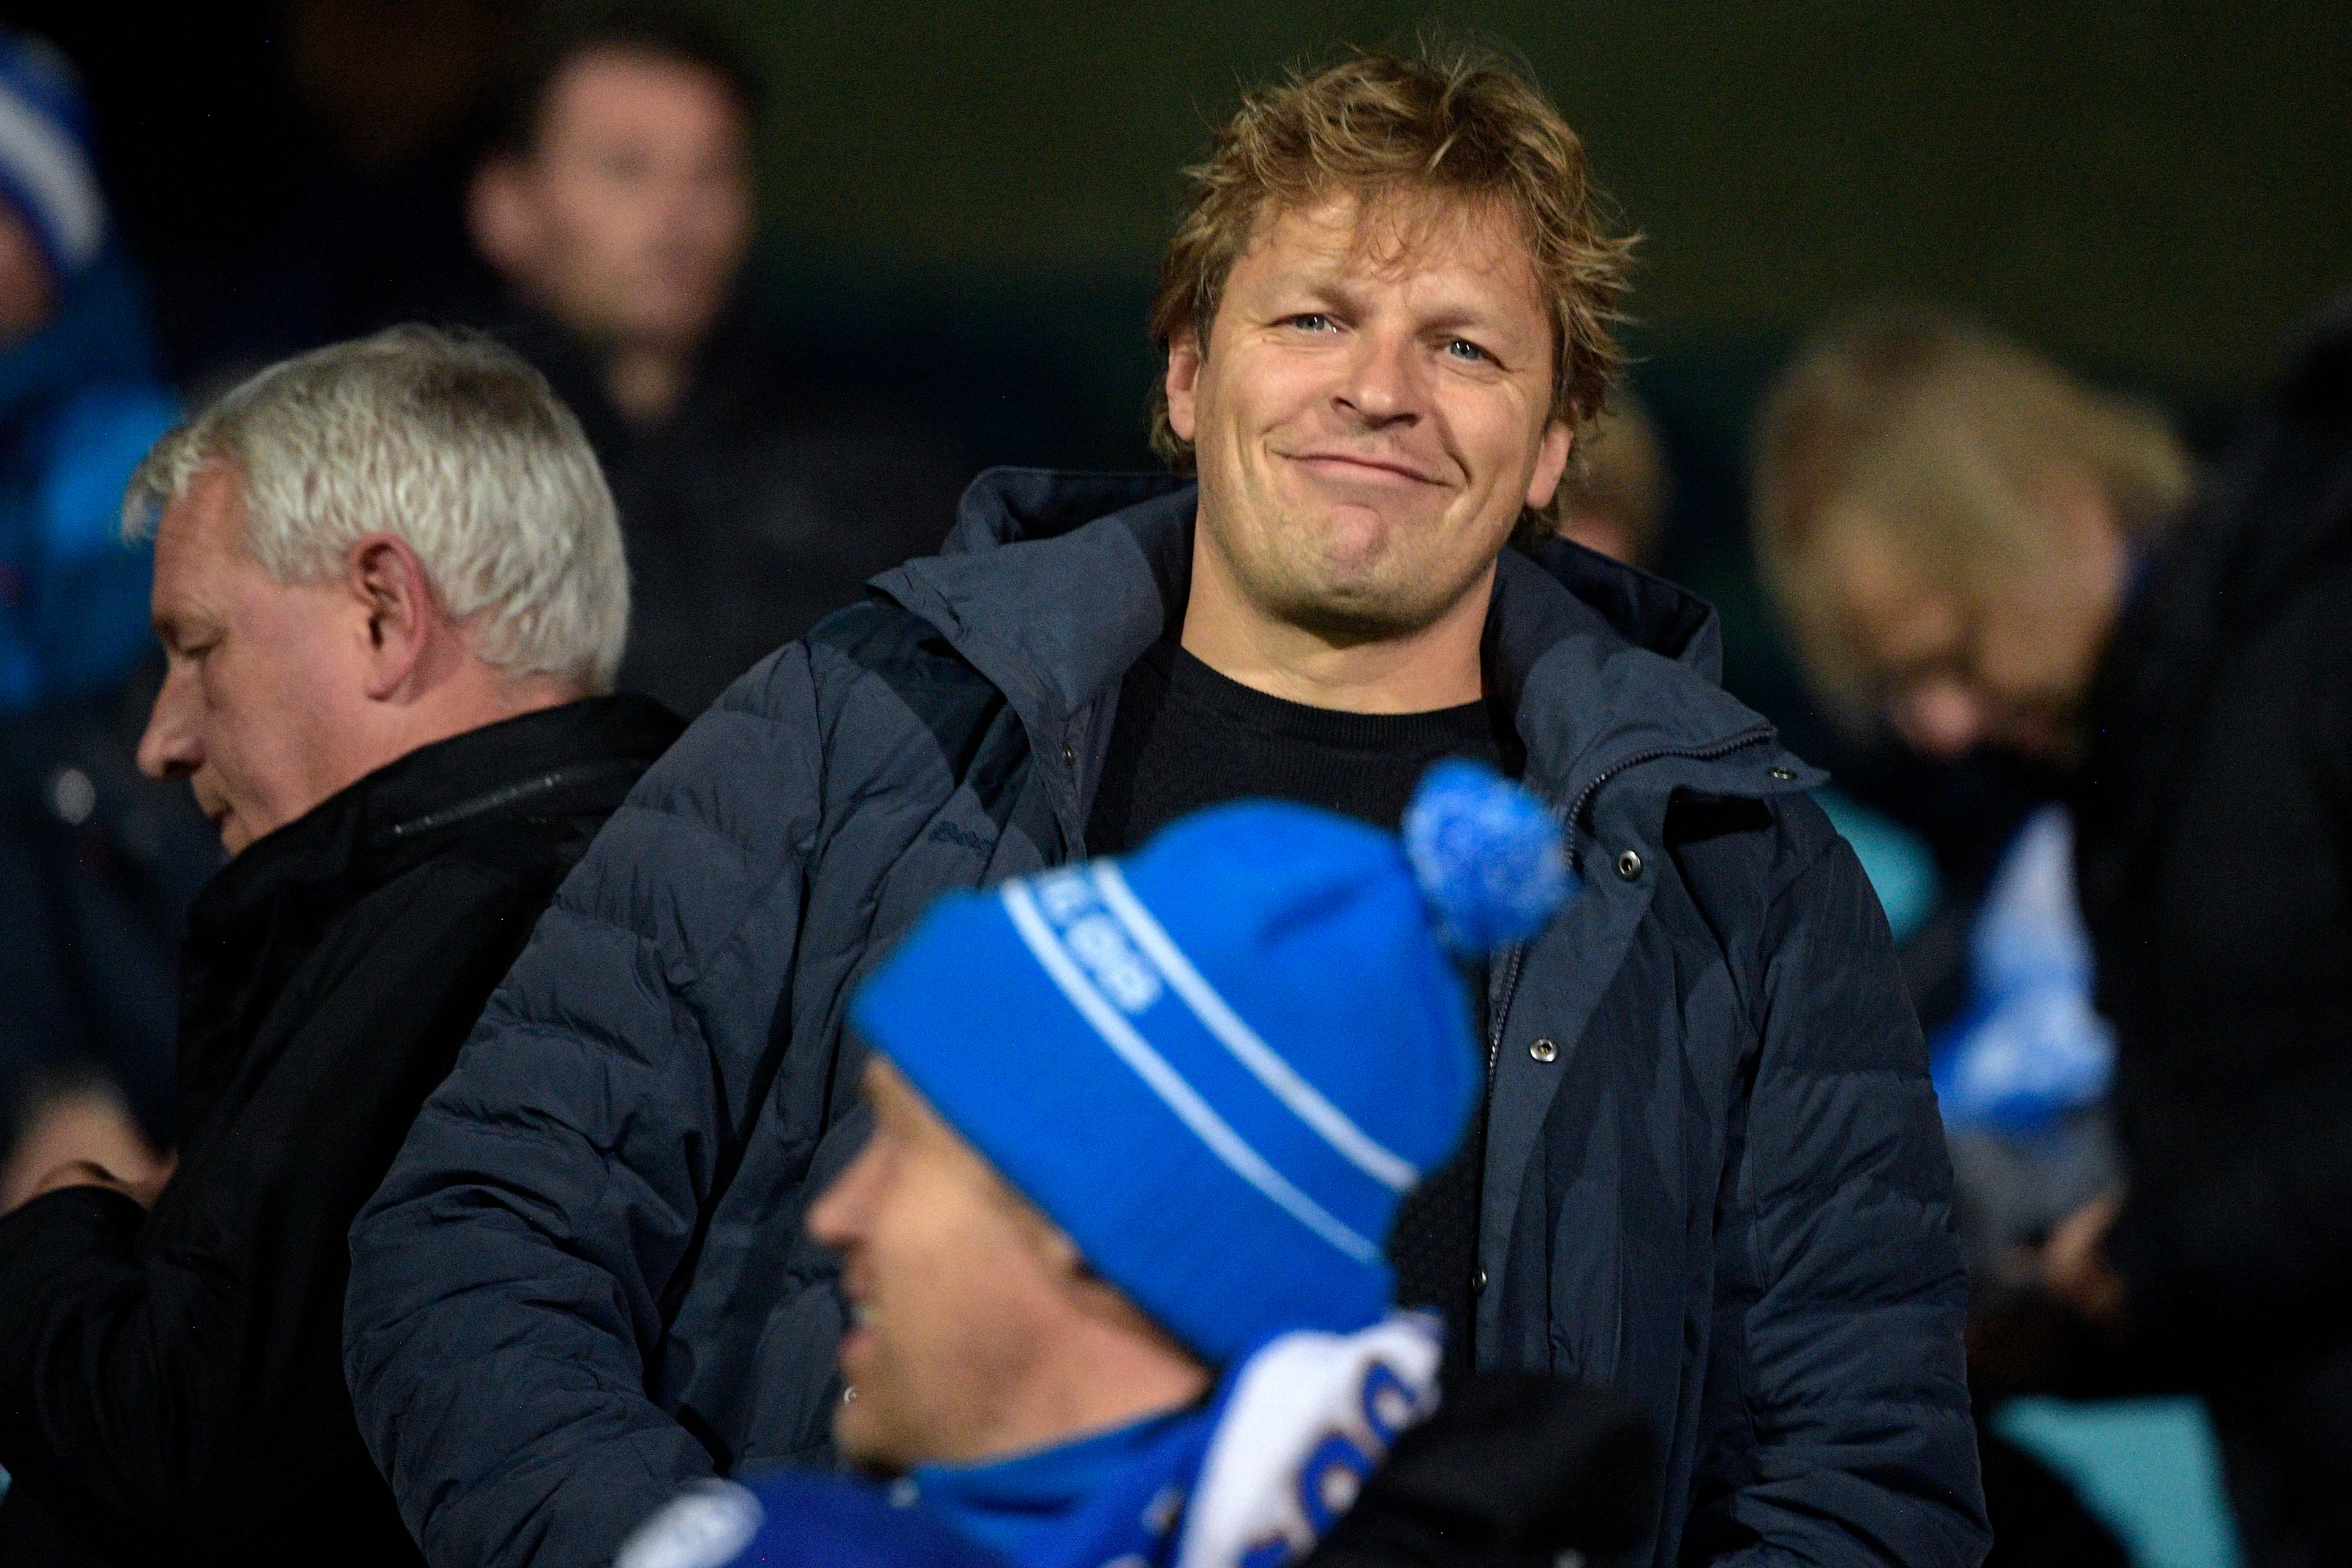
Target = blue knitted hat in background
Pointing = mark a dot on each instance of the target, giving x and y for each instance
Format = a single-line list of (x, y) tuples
[(1218, 1064), (48, 176)]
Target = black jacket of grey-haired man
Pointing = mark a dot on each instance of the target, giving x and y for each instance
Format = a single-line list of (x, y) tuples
[(170, 1382), (1715, 1175)]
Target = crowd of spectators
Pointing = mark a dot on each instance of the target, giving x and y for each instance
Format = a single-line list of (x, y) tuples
[(653, 971)]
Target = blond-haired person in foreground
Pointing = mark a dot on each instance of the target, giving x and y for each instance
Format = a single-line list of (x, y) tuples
[(1701, 1162)]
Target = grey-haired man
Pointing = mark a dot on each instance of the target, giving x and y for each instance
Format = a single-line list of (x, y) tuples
[(388, 582)]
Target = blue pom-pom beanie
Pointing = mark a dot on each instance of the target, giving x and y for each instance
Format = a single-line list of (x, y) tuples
[(1221, 1063)]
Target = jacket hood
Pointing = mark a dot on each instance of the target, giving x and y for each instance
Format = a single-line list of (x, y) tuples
[(1052, 585), (1008, 506)]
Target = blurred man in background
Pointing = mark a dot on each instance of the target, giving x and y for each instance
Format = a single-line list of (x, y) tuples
[(389, 585), (617, 203), (96, 864), (289, 173), (1980, 552), (1615, 496), (1952, 526)]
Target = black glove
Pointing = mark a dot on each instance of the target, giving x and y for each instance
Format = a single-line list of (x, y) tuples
[(1514, 1470)]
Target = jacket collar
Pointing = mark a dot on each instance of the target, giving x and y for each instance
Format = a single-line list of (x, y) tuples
[(1053, 585), (254, 922), (374, 828)]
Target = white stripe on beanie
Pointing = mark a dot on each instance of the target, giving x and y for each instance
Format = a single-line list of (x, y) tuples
[(1170, 1085), (55, 175), (1304, 1101)]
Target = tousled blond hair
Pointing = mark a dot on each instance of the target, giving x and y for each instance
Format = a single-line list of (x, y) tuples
[(1451, 122), (1936, 435)]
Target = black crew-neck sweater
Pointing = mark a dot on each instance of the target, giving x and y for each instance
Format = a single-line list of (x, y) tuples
[(1187, 737)]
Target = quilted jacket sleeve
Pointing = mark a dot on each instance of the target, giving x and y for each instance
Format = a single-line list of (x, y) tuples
[(507, 1280), (1846, 1290)]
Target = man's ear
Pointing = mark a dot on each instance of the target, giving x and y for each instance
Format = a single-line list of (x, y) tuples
[(1551, 463), (1185, 356), (501, 217), (402, 620)]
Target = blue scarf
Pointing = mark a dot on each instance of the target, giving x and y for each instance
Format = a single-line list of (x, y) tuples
[(1251, 1481), (1112, 1496)]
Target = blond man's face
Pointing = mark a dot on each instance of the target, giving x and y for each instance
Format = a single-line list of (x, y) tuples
[(1371, 414)]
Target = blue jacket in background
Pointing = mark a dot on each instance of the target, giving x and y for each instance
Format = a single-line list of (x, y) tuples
[(1715, 1178), (97, 864), (80, 402)]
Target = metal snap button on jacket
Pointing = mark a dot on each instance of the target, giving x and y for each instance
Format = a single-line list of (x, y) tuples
[(1479, 1280), (1069, 755), (1544, 1051), (1629, 865), (1783, 774)]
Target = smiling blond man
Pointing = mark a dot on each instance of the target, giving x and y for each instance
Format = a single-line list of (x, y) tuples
[(1704, 1165)]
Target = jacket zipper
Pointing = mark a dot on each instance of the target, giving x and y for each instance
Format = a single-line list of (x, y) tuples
[(1574, 817), (1583, 802), (1500, 1004), (1515, 955)]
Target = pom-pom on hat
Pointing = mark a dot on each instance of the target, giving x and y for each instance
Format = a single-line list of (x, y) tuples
[(47, 175), (1221, 1063)]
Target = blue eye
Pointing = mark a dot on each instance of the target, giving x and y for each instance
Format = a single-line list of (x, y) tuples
[(1462, 347), (1312, 321)]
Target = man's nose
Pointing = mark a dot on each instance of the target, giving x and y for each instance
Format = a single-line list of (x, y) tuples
[(1382, 386), (171, 747), (1942, 719), (833, 1219)]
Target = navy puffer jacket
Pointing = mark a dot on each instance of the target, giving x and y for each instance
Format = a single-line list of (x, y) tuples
[(1716, 1178)]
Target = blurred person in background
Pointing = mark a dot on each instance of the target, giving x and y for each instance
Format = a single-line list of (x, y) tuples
[(1615, 495), (290, 173), (1979, 552), (389, 585), (96, 864), (1707, 1171), (1089, 1328), (617, 203)]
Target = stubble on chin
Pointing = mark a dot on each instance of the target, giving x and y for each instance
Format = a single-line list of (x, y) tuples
[(1345, 597)]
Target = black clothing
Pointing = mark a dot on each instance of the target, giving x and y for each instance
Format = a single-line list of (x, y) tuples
[(1515, 1469), (2214, 856), (171, 1382), (1186, 737), (753, 509), (97, 864)]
